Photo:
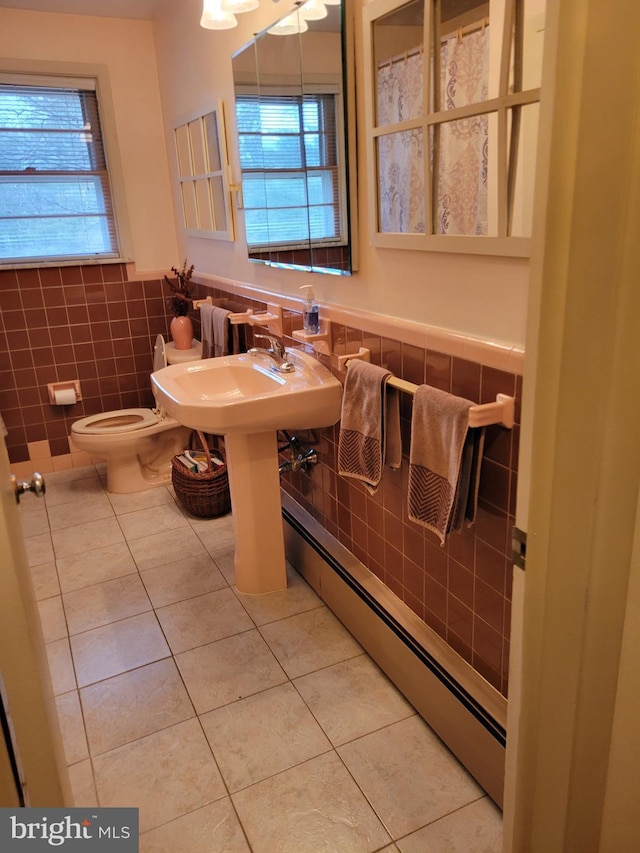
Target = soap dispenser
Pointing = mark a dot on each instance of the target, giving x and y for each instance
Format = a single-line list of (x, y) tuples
[(310, 316)]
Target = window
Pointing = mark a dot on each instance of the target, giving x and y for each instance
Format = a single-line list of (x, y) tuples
[(452, 118), (203, 175), (290, 174), (55, 197)]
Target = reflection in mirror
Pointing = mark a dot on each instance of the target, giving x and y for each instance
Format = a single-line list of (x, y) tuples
[(290, 121), (473, 100)]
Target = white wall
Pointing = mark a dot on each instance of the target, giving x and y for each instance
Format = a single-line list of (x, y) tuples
[(127, 49), (483, 296)]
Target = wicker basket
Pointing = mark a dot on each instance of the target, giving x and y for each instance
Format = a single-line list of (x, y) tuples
[(205, 494)]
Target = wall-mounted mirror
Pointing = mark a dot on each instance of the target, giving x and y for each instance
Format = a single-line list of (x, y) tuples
[(292, 96)]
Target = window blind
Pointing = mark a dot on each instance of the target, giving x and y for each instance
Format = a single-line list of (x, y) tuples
[(290, 174), (55, 198)]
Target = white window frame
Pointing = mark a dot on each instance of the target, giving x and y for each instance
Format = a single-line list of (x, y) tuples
[(38, 72), (503, 244), (202, 213)]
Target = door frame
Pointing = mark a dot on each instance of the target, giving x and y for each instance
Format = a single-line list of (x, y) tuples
[(571, 732), (24, 672)]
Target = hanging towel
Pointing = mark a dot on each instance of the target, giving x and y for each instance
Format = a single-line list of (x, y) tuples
[(206, 329), (369, 425), (219, 337), (444, 462)]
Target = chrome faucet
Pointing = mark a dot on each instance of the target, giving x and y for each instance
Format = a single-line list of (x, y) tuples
[(276, 352)]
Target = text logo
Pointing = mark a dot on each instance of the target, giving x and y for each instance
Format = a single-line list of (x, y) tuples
[(31, 830)]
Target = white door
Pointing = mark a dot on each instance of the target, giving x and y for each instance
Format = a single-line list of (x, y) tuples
[(29, 735)]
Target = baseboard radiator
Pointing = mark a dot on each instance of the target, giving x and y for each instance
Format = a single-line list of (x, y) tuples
[(463, 709)]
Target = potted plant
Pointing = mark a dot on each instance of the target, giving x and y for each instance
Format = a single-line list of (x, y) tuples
[(180, 301)]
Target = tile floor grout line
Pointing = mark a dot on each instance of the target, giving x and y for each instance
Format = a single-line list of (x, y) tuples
[(292, 681)]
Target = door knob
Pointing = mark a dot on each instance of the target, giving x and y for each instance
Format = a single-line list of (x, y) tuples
[(36, 485)]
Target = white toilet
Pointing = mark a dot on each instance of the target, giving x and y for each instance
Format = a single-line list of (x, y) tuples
[(137, 444)]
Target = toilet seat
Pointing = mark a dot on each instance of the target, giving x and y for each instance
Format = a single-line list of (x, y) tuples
[(121, 420)]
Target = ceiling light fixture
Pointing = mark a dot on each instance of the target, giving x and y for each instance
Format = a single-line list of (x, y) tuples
[(215, 17), (221, 14)]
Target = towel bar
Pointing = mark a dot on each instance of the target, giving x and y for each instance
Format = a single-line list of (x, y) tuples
[(484, 414), (198, 302)]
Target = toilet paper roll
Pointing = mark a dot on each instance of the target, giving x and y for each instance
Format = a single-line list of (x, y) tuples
[(65, 397)]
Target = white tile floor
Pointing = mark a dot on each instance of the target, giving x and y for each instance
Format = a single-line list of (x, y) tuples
[(234, 723)]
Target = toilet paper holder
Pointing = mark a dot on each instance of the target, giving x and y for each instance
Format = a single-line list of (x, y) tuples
[(61, 389)]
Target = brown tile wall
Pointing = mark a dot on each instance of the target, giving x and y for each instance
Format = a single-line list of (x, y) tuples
[(331, 257), (76, 322), (461, 590)]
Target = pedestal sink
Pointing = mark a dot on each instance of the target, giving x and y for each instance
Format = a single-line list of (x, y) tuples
[(243, 398)]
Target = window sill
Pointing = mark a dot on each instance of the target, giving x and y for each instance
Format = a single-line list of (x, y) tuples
[(75, 263)]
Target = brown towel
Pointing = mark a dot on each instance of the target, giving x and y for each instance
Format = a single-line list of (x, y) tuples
[(444, 461), (369, 425), (219, 337)]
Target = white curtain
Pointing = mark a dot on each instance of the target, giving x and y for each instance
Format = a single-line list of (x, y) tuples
[(462, 172), (401, 155)]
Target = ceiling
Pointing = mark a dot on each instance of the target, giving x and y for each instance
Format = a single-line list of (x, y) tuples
[(136, 9)]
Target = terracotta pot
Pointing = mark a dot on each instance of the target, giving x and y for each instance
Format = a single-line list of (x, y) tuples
[(182, 332)]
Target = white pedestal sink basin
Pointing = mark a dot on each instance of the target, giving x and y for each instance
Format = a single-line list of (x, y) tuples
[(244, 399)]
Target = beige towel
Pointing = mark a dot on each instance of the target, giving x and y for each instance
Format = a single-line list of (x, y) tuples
[(219, 337), (444, 461), (369, 425), (206, 329)]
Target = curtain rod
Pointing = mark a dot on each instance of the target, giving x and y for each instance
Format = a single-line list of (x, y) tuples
[(482, 24)]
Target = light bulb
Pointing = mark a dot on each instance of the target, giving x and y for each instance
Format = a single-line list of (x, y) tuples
[(289, 26), (238, 6), (215, 18), (313, 10)]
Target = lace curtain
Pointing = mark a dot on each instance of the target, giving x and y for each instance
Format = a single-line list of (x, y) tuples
[(461, 181)]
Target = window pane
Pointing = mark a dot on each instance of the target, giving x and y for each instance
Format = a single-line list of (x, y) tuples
[(184, 151), (216, 188), (322, 222), (210, 121), (254, 193), (40, 107), (401, 182), (189, 205), (50, 196), (462, 177), (45, 151), (286, 190), (55, 236), (524, 169), (197, 147), (464, 65), (280, 138), (397, 44), (532, 42), (45, 130), (250, 146), (321, 187), (203, 201), (279, 151)]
